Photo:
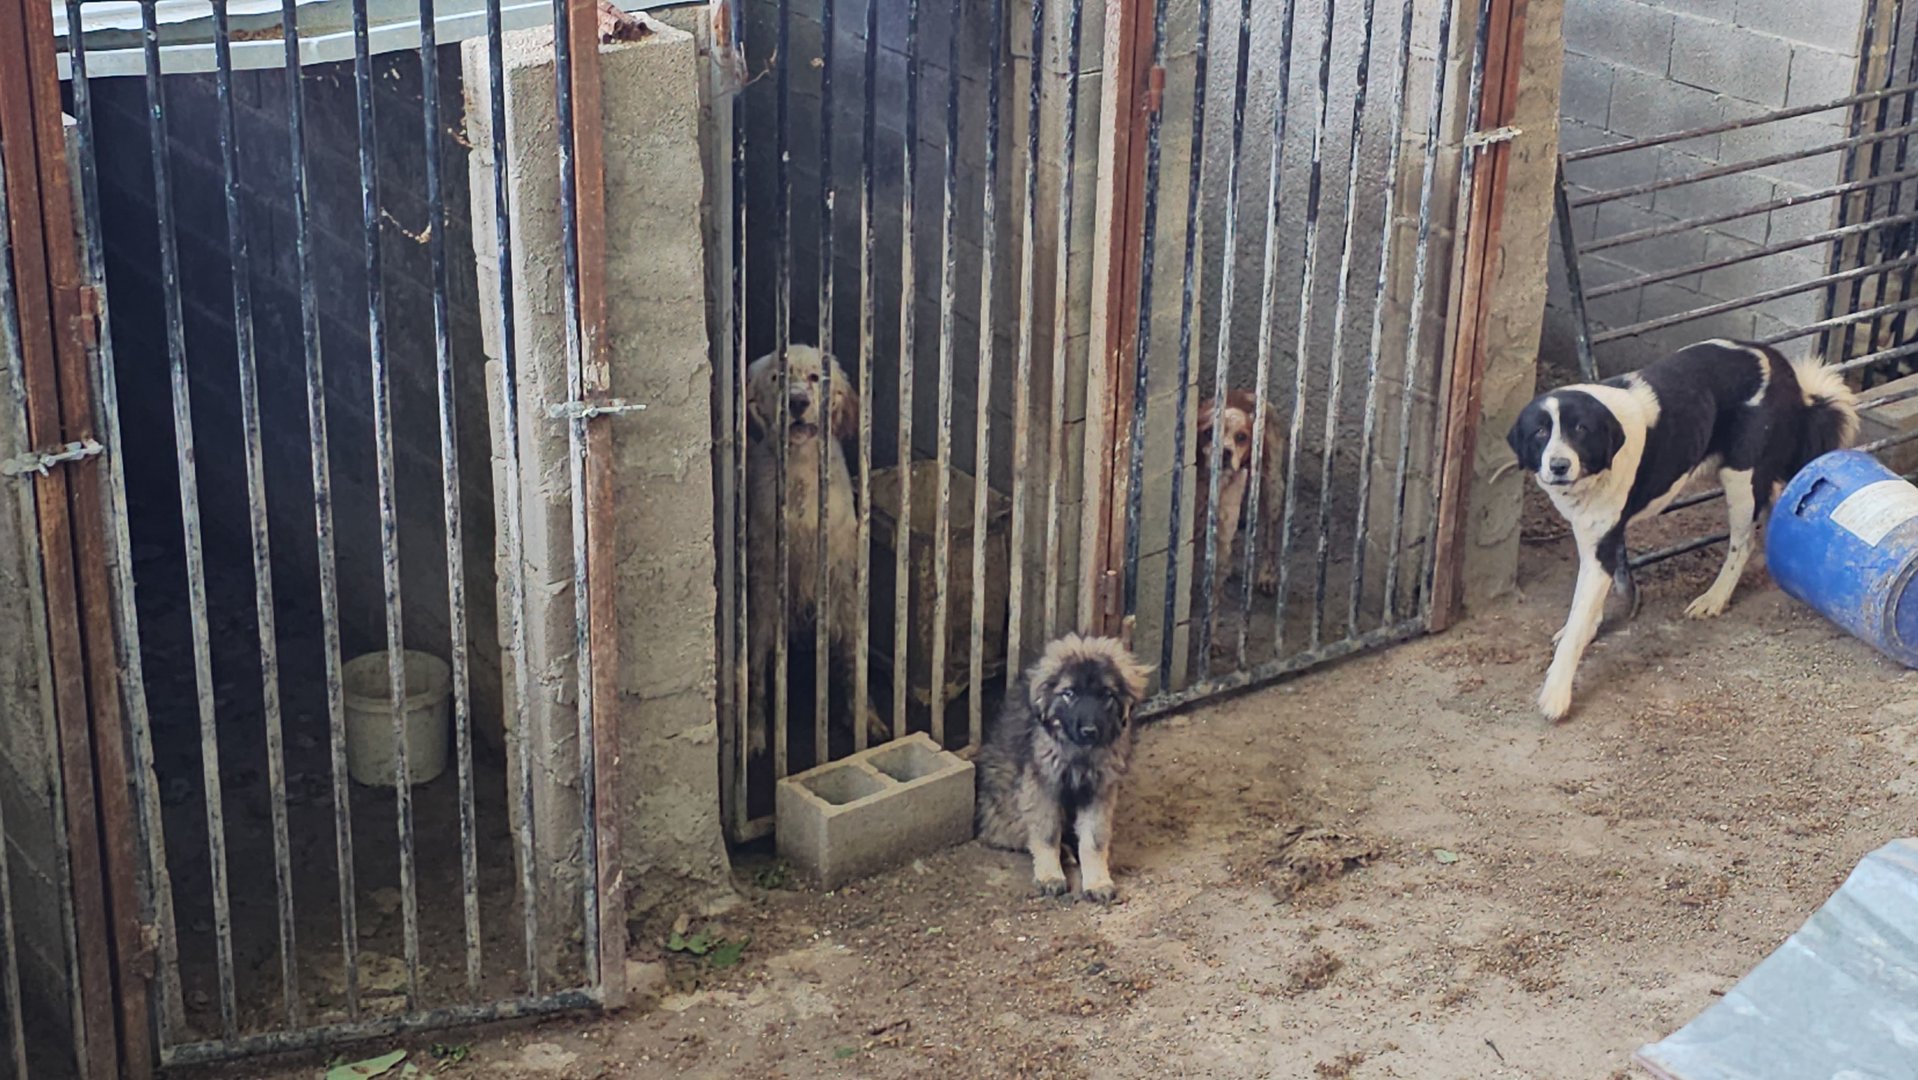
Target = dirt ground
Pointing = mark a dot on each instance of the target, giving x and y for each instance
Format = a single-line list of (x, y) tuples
[(1389, 868)]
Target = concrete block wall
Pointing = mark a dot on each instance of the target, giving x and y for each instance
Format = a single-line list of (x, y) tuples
[(1637, 68), (339, 277)]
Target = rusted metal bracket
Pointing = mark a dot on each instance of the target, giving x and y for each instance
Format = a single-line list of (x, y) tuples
[(92, 304), (40, 464), (585, 410)]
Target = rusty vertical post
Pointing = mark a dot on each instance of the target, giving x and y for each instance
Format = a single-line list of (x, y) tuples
[(1504, 35), (58, 325), (589, 158), (1130, 97)]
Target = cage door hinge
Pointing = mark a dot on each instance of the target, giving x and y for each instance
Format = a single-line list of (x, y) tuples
[(92, 305), (586, 410), (41, 463), (1476, 139), (1109, 598)]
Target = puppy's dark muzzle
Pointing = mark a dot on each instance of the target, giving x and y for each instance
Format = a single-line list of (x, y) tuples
[(1085, 736)]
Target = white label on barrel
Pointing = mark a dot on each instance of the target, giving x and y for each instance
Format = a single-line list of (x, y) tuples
[(1871, 512)]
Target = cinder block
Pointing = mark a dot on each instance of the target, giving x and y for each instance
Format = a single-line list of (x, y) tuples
[(1831, 26), (857, 816), (1633, 34), (1818, 76), (1643, 105), (1696, 198), (1731, 60), (1792, 136), (1587, 90)]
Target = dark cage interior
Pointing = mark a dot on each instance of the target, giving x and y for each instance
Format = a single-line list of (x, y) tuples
[(235, 692), (838, 88)]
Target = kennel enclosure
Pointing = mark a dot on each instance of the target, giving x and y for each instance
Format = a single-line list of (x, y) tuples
[(1033, 276), (326, 370)]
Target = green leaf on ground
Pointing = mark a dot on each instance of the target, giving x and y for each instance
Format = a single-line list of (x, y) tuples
[(727, 953)]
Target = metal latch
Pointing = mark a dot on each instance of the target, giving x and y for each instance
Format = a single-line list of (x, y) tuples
[(42, 463), (1476, 139), (584, 410)]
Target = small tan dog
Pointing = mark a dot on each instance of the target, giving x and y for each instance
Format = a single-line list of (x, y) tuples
[(800, 414), (1232, 427)]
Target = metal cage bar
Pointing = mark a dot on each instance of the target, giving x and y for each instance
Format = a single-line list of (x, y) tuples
[(388, 497), (260, 543), (16, 384), (988, 349), (190, 518), (1255, 494)]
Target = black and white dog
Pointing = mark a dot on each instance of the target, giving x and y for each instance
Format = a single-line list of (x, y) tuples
[(1619, 451)]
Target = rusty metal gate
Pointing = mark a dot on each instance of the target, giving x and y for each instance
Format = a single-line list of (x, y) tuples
[(1033, 284), (226, 465)]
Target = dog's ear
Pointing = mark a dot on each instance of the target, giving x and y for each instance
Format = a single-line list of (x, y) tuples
[(1524, 447), (1611, 439), (757, 422), (1206, 418), (845, 404)]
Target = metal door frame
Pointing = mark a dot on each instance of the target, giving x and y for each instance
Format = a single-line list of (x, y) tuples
[(1131, 112), (57, 316), (124, 934)]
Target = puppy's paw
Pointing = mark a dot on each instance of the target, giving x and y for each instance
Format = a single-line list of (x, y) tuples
[(1051, 886), (1267, 581), (1708, 606), (756, 738), (1555, 699), (1101, 894)]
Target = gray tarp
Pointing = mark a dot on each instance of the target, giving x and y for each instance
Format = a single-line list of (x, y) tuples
[(1837, 1001)]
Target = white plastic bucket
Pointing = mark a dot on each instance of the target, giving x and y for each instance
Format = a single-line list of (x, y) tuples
[(369, 717)]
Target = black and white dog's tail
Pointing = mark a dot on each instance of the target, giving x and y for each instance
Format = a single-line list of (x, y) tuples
[(1831, 411)]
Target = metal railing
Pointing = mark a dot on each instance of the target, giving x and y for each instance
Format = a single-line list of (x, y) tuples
[(1845, 308)]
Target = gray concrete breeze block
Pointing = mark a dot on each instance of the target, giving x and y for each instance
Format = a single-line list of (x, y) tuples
[(1627, 33), (876, 809), (1731, 60)]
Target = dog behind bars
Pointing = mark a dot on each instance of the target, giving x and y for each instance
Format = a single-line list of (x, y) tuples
[(811, 426), (1056, 757)]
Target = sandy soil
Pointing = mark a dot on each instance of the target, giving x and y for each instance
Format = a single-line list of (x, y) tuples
[(1391, 868)]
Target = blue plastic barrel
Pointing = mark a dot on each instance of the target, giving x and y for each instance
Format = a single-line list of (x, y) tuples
[(1843, 538)]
